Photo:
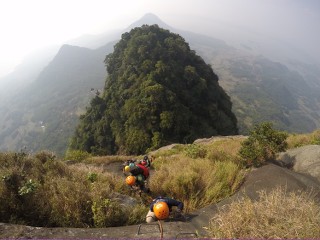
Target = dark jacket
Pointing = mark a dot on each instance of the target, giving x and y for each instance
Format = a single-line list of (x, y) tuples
[(171, 203), (139, 169)]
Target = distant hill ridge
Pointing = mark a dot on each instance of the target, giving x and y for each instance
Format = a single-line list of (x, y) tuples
[(260, 89)]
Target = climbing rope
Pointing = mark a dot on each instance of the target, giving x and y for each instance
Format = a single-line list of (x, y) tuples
[(161, 229)]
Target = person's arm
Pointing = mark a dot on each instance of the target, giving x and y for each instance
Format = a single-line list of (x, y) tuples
[(172, 202), (151, 206)]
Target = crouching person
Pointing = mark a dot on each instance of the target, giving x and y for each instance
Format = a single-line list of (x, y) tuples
[(161, 207), (138, 176)]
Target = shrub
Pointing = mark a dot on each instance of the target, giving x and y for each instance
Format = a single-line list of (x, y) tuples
[(77, 155), (278, 214), (20, 175), (28, 188), (45, 156), (137, 214), (39, 191), (108, 213), (195, 151), (92, 177), (262, 145)]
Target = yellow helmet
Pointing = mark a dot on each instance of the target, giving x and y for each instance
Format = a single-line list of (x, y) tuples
[(161, 210), (131, 180), (127, 169)]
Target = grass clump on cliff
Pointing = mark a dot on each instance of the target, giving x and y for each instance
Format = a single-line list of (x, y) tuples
[(197, 182), (278, 214), (299, 140), (40, 190), (262, 145)]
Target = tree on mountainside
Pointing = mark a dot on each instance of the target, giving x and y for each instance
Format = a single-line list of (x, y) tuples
[(262, 145), (158, 92)]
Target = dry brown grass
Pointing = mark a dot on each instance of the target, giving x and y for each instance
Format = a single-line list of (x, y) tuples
[(108, 159), (298, 140), (61, 195), (223, 150), (197, 182), (278, 214), (229, 146), (198, 176)]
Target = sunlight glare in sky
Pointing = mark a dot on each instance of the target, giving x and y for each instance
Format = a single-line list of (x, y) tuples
[(27, 25), (33, 24)]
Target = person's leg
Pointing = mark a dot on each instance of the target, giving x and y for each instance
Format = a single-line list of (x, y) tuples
[(151, 217), (141, 183)]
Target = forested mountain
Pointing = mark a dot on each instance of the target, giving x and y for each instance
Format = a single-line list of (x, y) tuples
[(158, 92)]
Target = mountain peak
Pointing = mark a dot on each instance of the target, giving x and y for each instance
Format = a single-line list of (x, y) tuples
[(149, 19)]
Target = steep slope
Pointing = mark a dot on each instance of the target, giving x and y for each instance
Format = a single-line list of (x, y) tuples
[(265, 178), (25, 73), (158, 92), (264, 90), (44, 114)]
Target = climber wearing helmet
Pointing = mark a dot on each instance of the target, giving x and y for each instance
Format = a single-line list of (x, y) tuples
[(131, 180), (161, 207), (126, 164), (140, 173), (146, 161)]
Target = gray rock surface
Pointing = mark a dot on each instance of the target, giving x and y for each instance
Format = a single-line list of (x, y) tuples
[(304, 159)]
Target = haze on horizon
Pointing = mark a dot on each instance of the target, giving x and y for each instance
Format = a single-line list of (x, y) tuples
[(27, 26)]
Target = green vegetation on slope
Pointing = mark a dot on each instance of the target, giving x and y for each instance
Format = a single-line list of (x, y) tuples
[(262, 145), (158, 92), (41, 190)]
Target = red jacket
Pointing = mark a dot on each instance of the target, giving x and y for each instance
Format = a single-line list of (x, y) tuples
[(145, 170)]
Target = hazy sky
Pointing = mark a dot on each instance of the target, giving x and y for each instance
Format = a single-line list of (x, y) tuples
[(27, 25)]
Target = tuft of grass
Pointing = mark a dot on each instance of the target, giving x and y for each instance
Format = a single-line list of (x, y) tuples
[(196, 182), (195, 151), (165, 152), (42, 191), (299, 140), (107, 159), (137, 214), (77, 155), (278, 214), (225, 150)]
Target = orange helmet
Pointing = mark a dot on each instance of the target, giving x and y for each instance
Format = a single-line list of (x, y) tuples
[(161, 210), (131, 180)]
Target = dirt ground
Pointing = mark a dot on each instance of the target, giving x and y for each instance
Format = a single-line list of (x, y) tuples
[(196, 224)]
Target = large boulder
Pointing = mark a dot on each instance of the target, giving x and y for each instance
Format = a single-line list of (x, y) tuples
[(304, 159)]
